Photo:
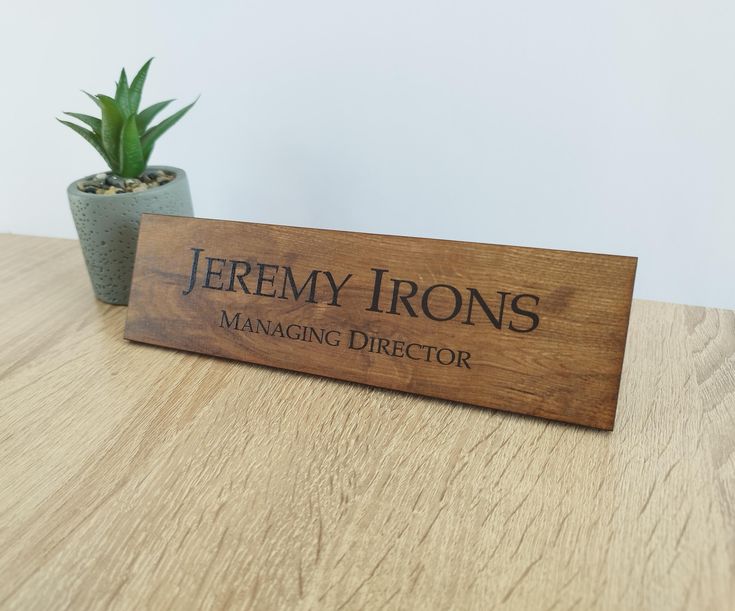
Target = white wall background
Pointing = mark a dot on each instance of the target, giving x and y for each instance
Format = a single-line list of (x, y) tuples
[(576, 124)]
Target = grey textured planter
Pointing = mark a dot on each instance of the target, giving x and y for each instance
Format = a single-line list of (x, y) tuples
[(108, 229)]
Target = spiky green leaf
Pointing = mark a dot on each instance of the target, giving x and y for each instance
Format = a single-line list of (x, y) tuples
[(132, 163), (112, 124), (93, 98), (136, 86), (90, 137), (147, 115), (93, 122), (155, 132), (122, 94)]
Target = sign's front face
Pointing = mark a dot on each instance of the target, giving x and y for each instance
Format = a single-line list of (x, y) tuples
[(531, 331)]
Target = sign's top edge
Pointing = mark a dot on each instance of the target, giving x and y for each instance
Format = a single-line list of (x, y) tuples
[(632, 258)]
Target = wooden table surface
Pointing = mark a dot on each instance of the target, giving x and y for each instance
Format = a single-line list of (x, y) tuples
[(138, 477)]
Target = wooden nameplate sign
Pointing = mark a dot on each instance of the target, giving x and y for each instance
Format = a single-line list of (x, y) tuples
[(526, 330)]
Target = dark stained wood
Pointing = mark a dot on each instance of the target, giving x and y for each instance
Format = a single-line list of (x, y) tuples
[(566, 368)]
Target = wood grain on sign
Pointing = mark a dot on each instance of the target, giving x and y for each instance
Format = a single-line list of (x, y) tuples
[(533, 331)]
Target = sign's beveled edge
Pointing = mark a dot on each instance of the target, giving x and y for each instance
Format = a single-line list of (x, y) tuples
[(623, 348), (395, 235)]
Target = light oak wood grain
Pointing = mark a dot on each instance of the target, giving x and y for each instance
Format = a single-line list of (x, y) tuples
[(138, 477)]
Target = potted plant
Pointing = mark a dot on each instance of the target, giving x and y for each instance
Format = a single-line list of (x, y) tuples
[(106, 206)]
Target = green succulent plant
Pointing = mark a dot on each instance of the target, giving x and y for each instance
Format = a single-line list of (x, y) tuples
[(122, 135)]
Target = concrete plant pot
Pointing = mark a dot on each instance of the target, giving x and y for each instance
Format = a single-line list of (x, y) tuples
[(108, 229)]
